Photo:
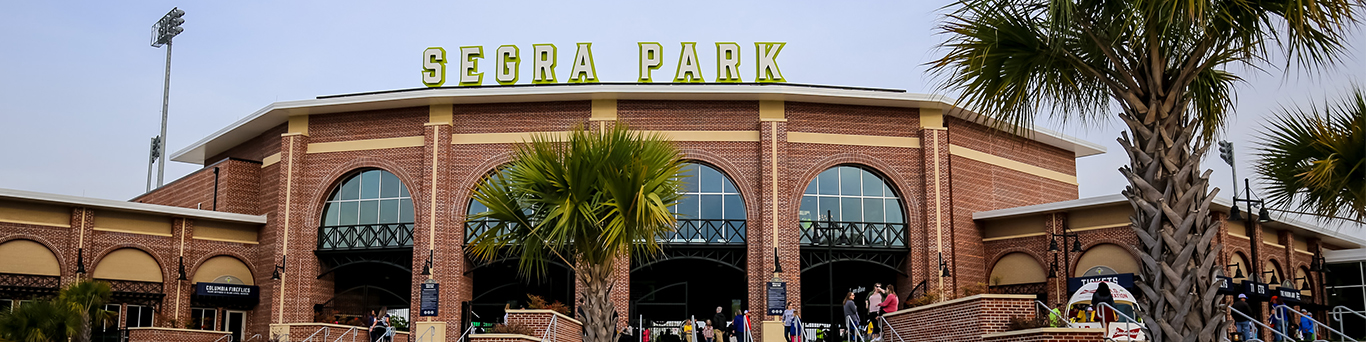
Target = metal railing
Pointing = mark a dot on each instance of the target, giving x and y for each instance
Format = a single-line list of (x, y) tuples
[(228, 336), (253, 337), (1337, 312), (1311, 319), (548, 335), (366, 236), (1133, 321), (315, 333), (707, 232), (1254, 321), (431, 332), (888, 326), (351, 331), (854, 234), (1049, 311)]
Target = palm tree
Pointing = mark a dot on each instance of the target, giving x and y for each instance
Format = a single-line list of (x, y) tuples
[(1163, 68), (591, 201), (67, 316), (1315, 159)]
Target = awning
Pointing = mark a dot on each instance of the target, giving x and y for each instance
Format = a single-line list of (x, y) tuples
[(233, 296)]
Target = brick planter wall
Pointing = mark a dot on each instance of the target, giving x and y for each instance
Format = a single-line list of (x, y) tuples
[(301, 331), (1047, 335), (963, 319), (172, 334), (566, 329)]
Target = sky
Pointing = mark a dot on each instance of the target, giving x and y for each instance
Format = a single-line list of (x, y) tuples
[(81, 88)]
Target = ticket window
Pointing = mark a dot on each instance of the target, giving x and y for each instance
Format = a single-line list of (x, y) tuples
[(136, 316)]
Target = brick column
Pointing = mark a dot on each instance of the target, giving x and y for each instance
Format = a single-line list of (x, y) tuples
[(934, 144), (1056, 223), (436, 232), (82, 220), (292, 296), (177, 301)]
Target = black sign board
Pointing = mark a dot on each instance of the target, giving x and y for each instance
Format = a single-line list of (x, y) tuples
[(1125, 280), (227, 290), (429, 298), (777, 298), (1288, 293), (1255, 290), (1226, 285)]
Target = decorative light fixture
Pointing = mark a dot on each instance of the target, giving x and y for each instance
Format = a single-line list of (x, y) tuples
[(279, 268), (1237, 269), (943, 266), (427, 267), (1274, 280), (80, 261), (777, 267), (181, 270)]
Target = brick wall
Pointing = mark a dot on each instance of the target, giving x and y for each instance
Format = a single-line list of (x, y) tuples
[(963, 319), (502, 338), (565, 329), (238, 186), (181, 335)]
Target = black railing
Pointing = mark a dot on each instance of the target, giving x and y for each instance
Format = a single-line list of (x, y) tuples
[(707, 232), (854, 234), (689, 232), (136, 292), (1029, 288), (366, 236)]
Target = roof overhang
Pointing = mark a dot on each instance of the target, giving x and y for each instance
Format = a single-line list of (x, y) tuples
[(1330, 235), (278, 113), (1345, 255), (96, 203)]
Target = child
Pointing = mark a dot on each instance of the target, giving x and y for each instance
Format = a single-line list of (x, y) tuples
[(707, 334)]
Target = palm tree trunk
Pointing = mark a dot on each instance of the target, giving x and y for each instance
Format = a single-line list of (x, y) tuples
[(83, 332), (1171, 197), (597, 301)]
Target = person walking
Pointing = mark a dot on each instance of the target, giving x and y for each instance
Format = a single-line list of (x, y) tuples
[(1242, 322), (1307, 326), (1103, 295), (1279, 318), (788, 317), (739, 326), (382, 324), (888, 305), (851, 317), (720, 330)]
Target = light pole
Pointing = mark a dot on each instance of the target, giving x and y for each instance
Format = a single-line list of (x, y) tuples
[(162, 32), (1066, 253)]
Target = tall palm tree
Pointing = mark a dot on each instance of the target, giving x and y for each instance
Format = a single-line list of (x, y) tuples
[(1162, 66), (1315, 159), (590, 201), (85, 299)]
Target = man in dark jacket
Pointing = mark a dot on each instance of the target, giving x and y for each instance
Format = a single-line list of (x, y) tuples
[(720, 320), (1242, 322)]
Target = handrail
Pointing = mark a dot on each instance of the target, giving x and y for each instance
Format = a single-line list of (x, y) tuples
[(1338, 314), (550, 328), (889, 327), (253, 337), (1050, 314), (431, 331), (1311, 319), (1131, 319), (315, 333), (855, 331), (228, 335), (351, 331), (1258, 323)]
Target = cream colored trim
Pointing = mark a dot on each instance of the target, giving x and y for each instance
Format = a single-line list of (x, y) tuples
[(853, 140), (603, 110), (501, 138), (527, 311), (506, 336), (440, 113), (298, 124), (225, 240), (431, 213), (1239, 236), (931, 118), (1043, 330), (270, 160), (1303, 252), (368, 144), (112, 230), (773, 172), (959, 300), (1103, 226), (1011, 164), (709, 135), (284, 244), (214, 332), (772, 110), (1273, 244), (32, 223), (1013, 237), (938, 206)]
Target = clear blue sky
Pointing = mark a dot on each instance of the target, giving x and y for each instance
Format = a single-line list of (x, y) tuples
[(80, 88)]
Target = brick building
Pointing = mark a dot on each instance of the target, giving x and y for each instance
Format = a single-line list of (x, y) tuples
[(319, 210)]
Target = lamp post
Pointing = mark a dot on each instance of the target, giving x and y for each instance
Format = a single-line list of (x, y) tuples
[(162, 33), (826, 233), (1262, 216), (1066, 253)]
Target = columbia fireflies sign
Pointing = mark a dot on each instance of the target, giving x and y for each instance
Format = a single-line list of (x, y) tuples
[(508, 62)]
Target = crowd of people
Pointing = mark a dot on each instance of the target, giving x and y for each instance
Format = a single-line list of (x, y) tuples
[(880, 300), (1282, 320), (378, 325)]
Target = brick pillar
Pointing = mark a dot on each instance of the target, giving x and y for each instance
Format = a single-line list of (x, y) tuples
[(934, 144), (293, 292), (82, 220), (1055, 223), (177, 301), (438, 231)]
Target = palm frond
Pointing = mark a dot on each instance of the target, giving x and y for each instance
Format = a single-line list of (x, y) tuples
[(1314, 159)]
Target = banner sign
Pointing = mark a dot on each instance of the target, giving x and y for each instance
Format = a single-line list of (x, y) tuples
[(1288, 294), (1226, 285), (777, 298), (227, 290), (1125, 280), (429, 298), (1255, 290), (508, 64)]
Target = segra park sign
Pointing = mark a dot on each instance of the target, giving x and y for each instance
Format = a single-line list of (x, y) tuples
[(508, 61)]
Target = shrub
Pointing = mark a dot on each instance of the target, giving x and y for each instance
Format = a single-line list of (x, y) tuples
[(1026, 322), (514, 328), (975, 289), (535, 302)]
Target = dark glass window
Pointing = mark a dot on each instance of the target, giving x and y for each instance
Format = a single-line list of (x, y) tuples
[(369, 197), (851, 194), (708, 195)]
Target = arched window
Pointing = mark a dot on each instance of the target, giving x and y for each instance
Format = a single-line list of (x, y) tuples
[(371, 209), (860, 202), (711, 210)]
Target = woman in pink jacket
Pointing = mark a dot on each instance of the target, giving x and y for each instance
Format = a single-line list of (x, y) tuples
[(892, 302)]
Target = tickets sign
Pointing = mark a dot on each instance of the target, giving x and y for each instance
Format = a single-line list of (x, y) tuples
[(469, 64)]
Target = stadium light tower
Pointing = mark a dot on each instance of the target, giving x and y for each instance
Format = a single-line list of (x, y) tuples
[(162, 33)]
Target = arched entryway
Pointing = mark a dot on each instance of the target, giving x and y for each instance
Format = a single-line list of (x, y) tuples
[(365, 246)]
